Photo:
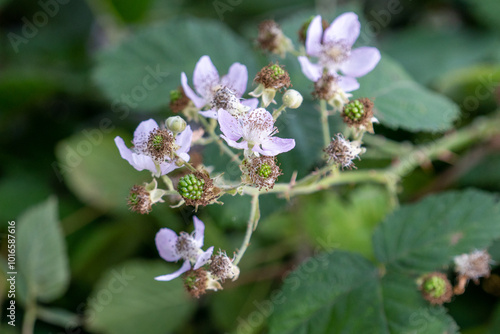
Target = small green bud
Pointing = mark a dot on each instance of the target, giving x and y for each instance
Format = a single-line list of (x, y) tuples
[(175, 124), (292, 99), (191, 187)]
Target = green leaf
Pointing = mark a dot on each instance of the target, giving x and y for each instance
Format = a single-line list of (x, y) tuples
[(402, 103), (407, 312), (426, 236), (344, 224), (342, 292), (457, 49), (484, 175), (41, 252), (329, 293), (130, 10), (128, 300), (91, 165), (495, 325), (485, 12), (141, 71)]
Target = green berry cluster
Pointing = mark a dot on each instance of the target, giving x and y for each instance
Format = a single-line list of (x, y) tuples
[(277, 71), (354, 110), (175, 95), (191, 187), (265, 171), (435, 286)]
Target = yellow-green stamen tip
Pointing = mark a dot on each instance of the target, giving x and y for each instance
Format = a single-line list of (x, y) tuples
[(265, 171), (277, 71)]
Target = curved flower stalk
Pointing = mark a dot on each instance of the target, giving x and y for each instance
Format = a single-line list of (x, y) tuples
[(207, 82), (333, 50), (156, 149), (256, 129), (173, 247)]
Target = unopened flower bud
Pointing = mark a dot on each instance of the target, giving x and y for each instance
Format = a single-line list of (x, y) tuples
[(436, 288), (175, 124), (292, 99)]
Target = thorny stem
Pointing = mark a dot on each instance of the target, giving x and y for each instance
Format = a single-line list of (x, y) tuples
[(324, 123), (218, 140), (251, 226), (410, 159)]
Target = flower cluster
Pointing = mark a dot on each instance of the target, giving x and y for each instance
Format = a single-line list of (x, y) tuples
[(219, 112), (203, 271)]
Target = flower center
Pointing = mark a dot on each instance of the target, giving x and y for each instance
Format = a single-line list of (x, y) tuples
[(277, 71), (435, 286), (257, 127), (186, 247), (226, 99), (265, 170), (334, 54), (160, 144), (191, 187)]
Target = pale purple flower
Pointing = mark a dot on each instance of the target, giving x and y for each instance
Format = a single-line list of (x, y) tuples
[(256, 129), (333, 50), (207, 81), (173, 247), (139, 157)]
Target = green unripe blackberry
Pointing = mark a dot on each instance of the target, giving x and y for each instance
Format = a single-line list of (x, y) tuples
[(191, 187), (277, 71), (435, 286), (354, 110), (265, 170)]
